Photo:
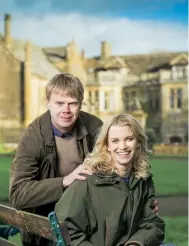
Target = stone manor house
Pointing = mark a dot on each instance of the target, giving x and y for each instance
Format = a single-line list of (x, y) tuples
[(152, 87)]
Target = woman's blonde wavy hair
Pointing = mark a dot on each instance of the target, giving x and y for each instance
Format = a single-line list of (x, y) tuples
[(100, 160)]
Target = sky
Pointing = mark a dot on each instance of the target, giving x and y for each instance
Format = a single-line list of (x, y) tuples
[(130, 26)]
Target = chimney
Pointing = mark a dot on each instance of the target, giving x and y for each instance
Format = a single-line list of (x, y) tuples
[(7, 35), (71, 50), (82, 54), (105, 50), (27, 52)]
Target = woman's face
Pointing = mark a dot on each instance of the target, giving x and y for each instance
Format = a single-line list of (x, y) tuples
[(122, 144)]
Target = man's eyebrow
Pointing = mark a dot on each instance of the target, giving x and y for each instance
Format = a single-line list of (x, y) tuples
[(73, 102)]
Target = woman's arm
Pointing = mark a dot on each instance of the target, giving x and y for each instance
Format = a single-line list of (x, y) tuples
[(151, 227), (75, 211)]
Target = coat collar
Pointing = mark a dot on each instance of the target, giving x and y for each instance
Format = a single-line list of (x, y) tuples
[(102, 179), (81, 129), (47, 131)]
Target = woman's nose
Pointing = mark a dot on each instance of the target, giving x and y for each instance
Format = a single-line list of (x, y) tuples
[(122, 145)]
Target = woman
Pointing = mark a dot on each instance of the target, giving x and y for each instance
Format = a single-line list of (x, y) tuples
[(113, 207)]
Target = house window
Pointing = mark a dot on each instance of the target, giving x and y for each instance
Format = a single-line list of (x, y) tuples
[(111, 98), (96, 96), (157, 102), (127, 100), (179, 98), (133, 94), (179, 72), (106, 100), (172, 98), (97, 99), (90, 97), (149, 98), (176, 98)]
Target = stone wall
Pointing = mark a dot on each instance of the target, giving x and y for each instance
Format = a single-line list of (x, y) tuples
[(11, 89), (170, 149)]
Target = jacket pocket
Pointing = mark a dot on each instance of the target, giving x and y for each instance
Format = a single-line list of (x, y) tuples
[(45, 170)]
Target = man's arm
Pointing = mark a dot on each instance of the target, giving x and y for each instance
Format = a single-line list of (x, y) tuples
[(151, 227), (25, 188), (75, 211)]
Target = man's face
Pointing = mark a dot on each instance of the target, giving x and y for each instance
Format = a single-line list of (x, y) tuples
[(64, 110)]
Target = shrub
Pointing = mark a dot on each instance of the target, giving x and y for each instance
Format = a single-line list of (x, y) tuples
[(151, 137)]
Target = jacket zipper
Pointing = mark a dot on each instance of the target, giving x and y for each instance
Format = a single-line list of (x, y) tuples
[(130, 205), (129, 211)]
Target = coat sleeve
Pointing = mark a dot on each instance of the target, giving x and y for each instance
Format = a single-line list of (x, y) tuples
[(25, 188), (75, 210), (151, 227)]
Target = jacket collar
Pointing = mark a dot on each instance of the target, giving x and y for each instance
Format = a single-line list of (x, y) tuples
[(47, 131), (46, 128), (102, 179), (81, 129)]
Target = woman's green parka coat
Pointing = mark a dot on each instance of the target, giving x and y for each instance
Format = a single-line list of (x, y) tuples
[(105, 211)]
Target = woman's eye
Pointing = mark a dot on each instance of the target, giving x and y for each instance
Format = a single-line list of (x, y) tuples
[(114, 141)]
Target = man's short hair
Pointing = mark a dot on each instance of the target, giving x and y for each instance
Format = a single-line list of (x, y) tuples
[(66, 82)]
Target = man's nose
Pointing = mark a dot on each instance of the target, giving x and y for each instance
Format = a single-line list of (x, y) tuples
[(66, 107)]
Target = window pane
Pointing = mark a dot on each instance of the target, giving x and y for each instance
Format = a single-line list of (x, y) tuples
[(157, 102), (133, 94), (172, 98), (127, 100), (179, 98), (111, 100), (106, 100), (90, 97), (97, 100)]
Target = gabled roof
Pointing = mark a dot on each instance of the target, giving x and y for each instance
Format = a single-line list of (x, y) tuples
[(115, 62), (40, 65), (138, 63), (177, 59), (59, 50), (55, 54), (180, 59)]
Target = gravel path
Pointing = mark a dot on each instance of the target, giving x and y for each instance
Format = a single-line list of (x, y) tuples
[(173, 206)]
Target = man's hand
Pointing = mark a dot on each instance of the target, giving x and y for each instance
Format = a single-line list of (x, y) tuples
[(69, 179), (155, 205)]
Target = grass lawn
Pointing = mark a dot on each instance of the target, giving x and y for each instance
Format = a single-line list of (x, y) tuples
[(170, 176), (176, 232), (4, 177)]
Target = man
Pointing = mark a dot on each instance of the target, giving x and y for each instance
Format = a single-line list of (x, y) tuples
[(50, 154)]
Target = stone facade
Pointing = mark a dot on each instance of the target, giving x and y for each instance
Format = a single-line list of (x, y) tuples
[(11, 83), (24, 72)]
